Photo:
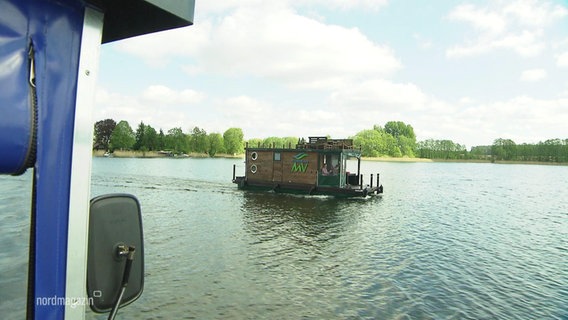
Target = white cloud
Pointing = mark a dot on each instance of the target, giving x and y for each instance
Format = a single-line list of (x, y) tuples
[(535, 13), (162, 95), (223, 6), (516, 26), (533, 75), (481, 18), (526, 44), (346, 4), (523, 119), (562, 59), (379, 94), (293, 49), (278, 44), (158, 106), (466, 100), (421, 42)]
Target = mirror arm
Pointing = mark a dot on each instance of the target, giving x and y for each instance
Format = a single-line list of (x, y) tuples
[(129, 252)]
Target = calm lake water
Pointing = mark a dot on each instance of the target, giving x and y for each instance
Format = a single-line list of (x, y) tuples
[(445, 241)]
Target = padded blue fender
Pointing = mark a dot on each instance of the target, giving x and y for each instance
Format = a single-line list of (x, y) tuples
[(16, 114)]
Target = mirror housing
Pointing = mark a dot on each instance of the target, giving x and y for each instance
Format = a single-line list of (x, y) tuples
[(115, 222)]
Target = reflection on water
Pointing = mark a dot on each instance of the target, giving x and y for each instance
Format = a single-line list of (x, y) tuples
[(450, 241)]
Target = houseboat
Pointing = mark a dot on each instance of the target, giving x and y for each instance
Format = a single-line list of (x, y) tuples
[(317, 166)]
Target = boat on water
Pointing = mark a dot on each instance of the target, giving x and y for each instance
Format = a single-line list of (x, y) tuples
[(317, 166)]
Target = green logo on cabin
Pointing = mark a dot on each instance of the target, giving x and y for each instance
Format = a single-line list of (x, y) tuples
[(300, 156), (298, 164)]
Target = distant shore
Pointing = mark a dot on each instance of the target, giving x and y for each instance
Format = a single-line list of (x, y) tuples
[(406, 159), (155, 154), (392, 159)]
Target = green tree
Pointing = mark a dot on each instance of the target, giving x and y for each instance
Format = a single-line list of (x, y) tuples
[(399, 128), (150, 140), (103, 132), (290, 142), (161, 140), (376, 143), (480, 152), (234, 140), (370, 141), (254, 142), (146, 138), (177, 141), (404, 135), (504, 149), (139, 136), (215, 144), (122, 136), (273, 142), (441, 149), (198, 140)]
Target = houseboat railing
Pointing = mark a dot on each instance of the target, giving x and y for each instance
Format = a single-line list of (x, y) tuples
[(315, 143)]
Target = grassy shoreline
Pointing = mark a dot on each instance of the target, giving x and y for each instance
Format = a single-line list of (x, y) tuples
[(406, 159), (154, 154)]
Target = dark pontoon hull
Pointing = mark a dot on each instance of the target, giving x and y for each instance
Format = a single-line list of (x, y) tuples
[(306, 189)]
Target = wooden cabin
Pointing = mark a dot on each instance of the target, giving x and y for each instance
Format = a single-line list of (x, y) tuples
[(316, 166)]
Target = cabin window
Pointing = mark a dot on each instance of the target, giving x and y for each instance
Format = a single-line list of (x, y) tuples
[(254, 155), (276, 156), (330, 165)]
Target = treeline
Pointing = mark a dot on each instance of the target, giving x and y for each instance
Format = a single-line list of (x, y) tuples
[(397, 139), (441, 149), (552, 150), (394, 139), (111, 136)]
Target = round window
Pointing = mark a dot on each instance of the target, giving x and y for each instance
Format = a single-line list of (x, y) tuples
[(254, 155), (253, 168)]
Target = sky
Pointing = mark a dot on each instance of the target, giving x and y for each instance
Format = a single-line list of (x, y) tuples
[(467, 71)]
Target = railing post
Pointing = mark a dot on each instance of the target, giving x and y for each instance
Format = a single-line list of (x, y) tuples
[(371, 184), (361, 181), (234, 170)]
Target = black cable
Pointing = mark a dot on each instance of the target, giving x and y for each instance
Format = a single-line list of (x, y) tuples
[(124, 283), (30, 161), (30, 308)]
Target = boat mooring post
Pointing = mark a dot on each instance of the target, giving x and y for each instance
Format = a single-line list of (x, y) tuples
[(359, 166), (234, 169), (371, 185), (361, 182)]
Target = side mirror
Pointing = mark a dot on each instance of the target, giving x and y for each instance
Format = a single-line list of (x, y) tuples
[(115, 261)]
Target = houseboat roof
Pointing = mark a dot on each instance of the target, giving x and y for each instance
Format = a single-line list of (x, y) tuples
[(323, 143), (319, 144)]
